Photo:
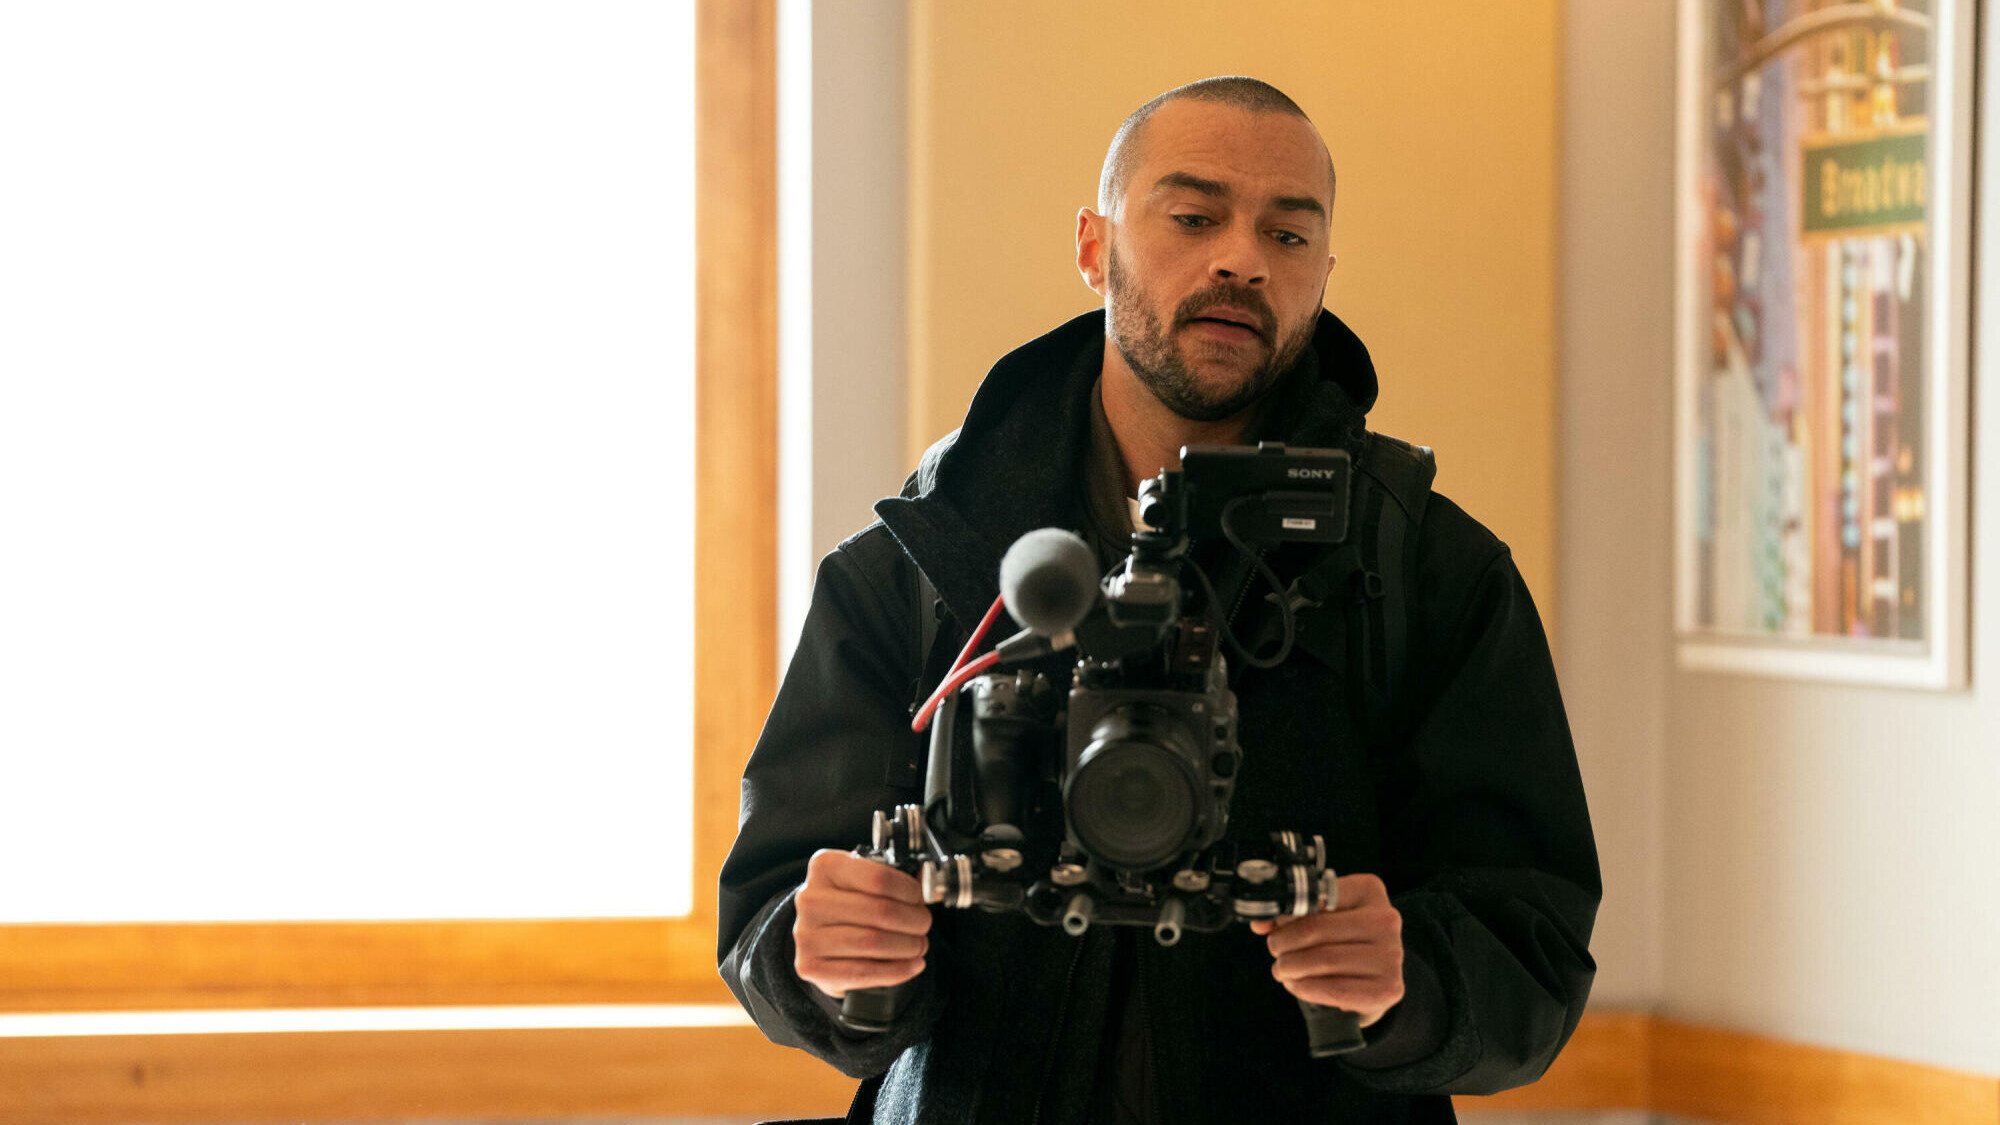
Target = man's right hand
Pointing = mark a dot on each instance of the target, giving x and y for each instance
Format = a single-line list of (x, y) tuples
[(861, 924)]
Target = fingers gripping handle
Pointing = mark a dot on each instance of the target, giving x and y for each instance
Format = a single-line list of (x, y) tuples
[(894, 837), (1330, 1031)]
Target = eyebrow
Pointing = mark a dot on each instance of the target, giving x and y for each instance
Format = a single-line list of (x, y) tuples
[(1220, 190)]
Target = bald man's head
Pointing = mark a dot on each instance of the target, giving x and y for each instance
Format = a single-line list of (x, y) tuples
[(1244, 93)]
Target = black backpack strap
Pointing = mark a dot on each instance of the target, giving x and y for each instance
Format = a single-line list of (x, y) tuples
[(928, 609), (1371, 579), (907, 769), (1391, 513), (862, 1109)]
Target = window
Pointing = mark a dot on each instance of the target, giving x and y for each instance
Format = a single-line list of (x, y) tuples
[(342, 439)]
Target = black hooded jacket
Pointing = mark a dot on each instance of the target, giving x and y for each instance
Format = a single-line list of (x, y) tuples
[(1471, 810)]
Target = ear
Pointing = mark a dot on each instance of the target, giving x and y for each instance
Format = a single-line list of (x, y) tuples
[(1093, 245)]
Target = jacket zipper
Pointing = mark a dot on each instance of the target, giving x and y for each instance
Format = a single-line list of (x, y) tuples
[(1242, 595), (1243, 591), (1055, 1034)]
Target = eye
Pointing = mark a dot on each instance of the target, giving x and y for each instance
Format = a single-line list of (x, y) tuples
[(1287, 238), (1193, 222)]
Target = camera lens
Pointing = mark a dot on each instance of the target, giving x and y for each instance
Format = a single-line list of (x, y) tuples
[(1132, 799)]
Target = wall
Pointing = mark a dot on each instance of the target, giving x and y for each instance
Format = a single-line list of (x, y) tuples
[(1613, 447), (1822, 858), (842, 92), (1441, 120), (859, 208), (843, 89)]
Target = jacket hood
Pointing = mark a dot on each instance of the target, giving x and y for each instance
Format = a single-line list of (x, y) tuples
[(1017, 461)]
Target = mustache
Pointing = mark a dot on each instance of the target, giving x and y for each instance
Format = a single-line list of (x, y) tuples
[(1239, 297)]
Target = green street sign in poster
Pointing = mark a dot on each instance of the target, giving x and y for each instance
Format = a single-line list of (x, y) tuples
[(1875, 184)]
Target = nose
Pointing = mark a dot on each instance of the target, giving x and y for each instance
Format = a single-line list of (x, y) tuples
[(1239, 257)]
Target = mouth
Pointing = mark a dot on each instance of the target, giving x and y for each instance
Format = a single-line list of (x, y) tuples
[(1228, 325)]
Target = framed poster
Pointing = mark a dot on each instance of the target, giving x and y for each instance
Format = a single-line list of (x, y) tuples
[(1823, 337)]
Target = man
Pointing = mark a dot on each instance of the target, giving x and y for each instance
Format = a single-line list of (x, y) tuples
[(1454, 810)]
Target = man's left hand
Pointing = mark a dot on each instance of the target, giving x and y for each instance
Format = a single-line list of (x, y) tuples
[(1349, 957)]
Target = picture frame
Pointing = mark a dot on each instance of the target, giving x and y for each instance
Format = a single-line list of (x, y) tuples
[(1823, 338)]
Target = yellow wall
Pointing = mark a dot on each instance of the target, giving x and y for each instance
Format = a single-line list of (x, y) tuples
[(1442, 119)]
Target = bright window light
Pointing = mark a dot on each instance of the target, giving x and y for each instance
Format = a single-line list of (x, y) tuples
[(346, 460)]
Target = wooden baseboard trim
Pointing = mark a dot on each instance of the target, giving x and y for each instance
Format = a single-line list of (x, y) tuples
[(1709, 1074), (1632, 1060), (1617, 1060), (411, 1076)]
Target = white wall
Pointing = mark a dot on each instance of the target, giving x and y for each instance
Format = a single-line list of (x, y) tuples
[(859, 92), (1813, 862), (1615, 344), (843, 90)]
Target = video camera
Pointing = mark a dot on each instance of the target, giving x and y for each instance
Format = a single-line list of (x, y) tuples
[(1108, 804)]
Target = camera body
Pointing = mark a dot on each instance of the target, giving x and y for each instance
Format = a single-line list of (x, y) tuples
[(1105, 804), (1148, 772)]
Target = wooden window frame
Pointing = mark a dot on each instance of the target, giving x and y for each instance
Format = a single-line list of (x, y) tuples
[(111, 967)]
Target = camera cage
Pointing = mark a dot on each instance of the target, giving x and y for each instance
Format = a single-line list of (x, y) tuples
[(1256, 498), (1000, 845)]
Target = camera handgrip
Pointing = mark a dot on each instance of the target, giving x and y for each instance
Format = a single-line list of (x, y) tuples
[(1330, 1031), (872, 1009)]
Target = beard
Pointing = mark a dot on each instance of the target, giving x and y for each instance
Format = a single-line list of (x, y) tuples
[(1163, 366)]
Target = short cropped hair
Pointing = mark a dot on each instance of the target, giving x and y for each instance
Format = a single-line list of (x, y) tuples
[(1244, 93)]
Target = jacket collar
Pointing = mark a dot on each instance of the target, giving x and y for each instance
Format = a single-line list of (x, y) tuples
[(1017, 462)]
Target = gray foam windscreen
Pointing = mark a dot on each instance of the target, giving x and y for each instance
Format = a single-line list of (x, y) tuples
[(1049, 578)]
